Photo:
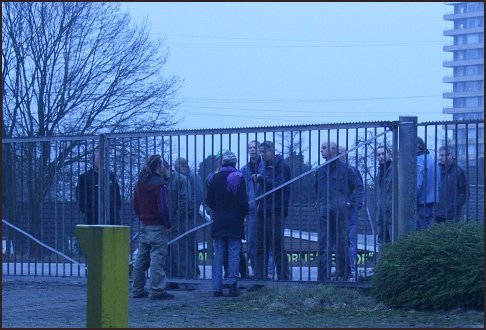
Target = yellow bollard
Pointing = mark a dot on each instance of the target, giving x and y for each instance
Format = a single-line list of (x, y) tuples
[(106, 248)]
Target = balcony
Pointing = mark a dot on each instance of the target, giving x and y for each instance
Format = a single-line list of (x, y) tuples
[(455, 111), (451, 79), (454, 63), (452, 95), (452, 17), (452, 48), (455, 32)]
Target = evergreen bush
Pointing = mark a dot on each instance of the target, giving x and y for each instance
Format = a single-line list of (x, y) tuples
[(439, 268)]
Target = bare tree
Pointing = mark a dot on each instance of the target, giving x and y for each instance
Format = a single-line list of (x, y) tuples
[(74, 68)]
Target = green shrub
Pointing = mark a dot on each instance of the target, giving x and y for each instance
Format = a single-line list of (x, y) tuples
[(440, 268)]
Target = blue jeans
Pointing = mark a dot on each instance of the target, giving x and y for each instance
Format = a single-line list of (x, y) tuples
[(234, 247), (425, 215), (152, 252)]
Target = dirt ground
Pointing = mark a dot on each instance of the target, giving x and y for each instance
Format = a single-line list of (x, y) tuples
[(43, 302)]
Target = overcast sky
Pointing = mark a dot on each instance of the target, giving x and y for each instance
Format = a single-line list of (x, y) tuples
[(267, 64)]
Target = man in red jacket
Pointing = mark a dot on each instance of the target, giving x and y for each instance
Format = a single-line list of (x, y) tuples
[(151, 205)]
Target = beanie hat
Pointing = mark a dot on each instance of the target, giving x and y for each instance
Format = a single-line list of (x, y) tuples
[(228, 158)]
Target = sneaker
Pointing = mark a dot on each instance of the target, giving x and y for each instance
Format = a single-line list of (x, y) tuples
[(171, 286), (162, 296), (141, 295), (217, 293), (234, 292)]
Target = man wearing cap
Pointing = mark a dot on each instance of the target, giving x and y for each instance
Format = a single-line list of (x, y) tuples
[(228, 199), (272, 210)]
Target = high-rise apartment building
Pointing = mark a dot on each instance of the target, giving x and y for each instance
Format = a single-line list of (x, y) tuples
[(467, 78)]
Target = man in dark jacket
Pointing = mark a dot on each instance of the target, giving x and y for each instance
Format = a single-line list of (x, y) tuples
[(453, 188), (339, 190), (87, 192), (151, 204), (272, 211), (228, 200), (385, 190)]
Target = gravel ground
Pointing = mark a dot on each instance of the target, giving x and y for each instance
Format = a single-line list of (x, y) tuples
[(43, 302)]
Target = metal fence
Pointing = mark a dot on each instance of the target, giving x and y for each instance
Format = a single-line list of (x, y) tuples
[(40, 208)]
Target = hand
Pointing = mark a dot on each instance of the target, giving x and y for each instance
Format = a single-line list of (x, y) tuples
[(255, 177)]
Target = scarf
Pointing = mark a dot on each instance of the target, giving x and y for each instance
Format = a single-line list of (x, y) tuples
[(234, 179)]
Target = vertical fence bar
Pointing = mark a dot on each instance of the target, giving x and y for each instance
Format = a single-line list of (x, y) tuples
[(407, 174)]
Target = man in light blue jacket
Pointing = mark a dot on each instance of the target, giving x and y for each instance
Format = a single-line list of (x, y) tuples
[(426, 186)]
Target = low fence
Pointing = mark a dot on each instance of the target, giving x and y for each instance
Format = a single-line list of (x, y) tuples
[(40, 178)]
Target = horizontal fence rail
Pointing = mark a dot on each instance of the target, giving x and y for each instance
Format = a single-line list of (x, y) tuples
[(42, 195)]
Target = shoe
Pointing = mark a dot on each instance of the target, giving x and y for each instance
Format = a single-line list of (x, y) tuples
[(162, 296), (188, 286), (217, 293), (254, 287), (171, 286), (234, 292), (141, 295)]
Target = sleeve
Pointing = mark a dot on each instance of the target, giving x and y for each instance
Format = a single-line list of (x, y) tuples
[(462, 189), (210, 195), (356, 188), (163, 206), (420, 173), (243, 197), (81, 193), (117, 192), (136, 205)]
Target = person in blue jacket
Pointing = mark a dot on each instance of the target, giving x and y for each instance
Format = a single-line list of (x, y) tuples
[(426, 186)]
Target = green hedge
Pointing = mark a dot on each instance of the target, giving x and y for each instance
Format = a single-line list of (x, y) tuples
[(440, 268)]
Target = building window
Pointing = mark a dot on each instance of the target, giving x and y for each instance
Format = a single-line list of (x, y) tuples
[(459, 8), (459, 71), (472, 38), (459, 87), (460, 24), (472, 54), (472, 102), (459, 55), (458, 102), (473, 7), (459, 40), (475, 22)]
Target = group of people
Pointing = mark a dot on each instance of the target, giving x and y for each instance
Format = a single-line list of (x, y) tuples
[(442, 188), (253, 202)]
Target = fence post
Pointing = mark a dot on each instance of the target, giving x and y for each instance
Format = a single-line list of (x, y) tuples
[(106, 249), (407, 174), (103, 192)]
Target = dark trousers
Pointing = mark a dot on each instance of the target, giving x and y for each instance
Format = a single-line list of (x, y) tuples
[(270, 235), (336, 236)]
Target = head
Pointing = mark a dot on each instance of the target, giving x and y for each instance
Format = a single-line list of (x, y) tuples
[(329, 149), (383, 154), (229, 158), (253, 150), (446, 155), (267, 151), (217, 159), (155, 164), (181, 166), (342, 151), (421, 147), (96, 159)]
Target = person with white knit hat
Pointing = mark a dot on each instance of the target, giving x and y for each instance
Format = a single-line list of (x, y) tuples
[(228, 199)]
